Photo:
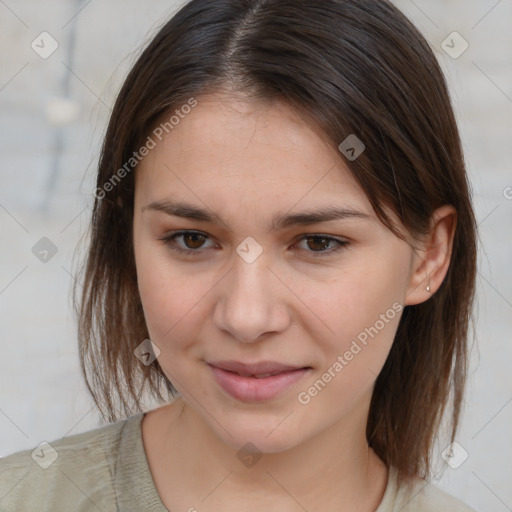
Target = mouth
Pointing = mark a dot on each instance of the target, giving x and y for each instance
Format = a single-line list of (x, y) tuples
[(256, 382)]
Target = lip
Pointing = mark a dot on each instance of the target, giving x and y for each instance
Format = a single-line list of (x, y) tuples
[(239, 379)]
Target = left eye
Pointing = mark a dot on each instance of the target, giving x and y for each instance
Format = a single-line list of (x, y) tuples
[(322, 244), (193, 242)]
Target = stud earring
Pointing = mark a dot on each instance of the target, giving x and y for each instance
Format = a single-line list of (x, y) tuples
[(428, 288)]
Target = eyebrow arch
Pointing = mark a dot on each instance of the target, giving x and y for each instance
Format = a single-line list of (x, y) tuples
[(279, 221)]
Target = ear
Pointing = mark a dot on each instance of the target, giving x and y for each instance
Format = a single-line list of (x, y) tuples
[(431, 260)]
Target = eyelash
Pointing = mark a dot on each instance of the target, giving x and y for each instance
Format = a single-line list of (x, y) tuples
[(169, 240)]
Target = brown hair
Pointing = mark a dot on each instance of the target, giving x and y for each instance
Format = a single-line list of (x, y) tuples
[(350, 67)]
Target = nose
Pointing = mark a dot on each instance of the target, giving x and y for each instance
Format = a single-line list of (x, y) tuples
[(252, 301)]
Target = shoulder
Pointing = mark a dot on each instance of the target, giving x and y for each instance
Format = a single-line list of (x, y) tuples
[(423, 496), (427, 497), (71, 473)]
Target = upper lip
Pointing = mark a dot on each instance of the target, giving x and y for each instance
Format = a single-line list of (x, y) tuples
[(260, 368)]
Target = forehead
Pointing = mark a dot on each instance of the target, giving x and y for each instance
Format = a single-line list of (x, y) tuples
[(246, 151)]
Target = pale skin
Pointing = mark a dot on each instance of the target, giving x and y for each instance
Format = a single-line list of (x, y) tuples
[(247, 162)]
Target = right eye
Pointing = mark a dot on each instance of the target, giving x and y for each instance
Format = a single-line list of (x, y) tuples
[(185, 242)]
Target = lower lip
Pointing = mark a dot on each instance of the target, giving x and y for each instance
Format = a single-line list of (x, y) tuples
[(251, 389)]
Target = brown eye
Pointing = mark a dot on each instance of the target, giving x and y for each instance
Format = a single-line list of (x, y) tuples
[(321, 245), (318, 243), (189, 243), (193, 240)]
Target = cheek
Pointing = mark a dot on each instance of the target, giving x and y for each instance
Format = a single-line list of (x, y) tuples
[(354, 356), (362, 310), (356, 301), (177, 307), (169, 296)]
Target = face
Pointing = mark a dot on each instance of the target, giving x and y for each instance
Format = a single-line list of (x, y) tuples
[(273, 315)]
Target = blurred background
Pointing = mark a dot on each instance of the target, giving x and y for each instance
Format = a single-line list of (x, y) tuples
[(61, 65)]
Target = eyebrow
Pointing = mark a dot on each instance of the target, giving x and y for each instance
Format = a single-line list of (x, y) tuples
[(279, 221)]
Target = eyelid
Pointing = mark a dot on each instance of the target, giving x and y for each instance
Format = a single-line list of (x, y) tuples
[(169, 238)]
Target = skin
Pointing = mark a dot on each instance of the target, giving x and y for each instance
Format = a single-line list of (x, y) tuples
[(247, 162)]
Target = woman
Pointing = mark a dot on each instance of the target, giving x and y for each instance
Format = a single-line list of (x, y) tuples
[(282, 240)]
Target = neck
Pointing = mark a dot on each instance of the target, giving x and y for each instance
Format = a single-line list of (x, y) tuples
[(335, 468)]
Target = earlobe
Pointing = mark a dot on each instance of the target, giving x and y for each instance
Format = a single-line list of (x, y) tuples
[(430, 264)]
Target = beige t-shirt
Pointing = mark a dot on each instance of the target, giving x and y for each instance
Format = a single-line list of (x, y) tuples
[(106, 470)]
